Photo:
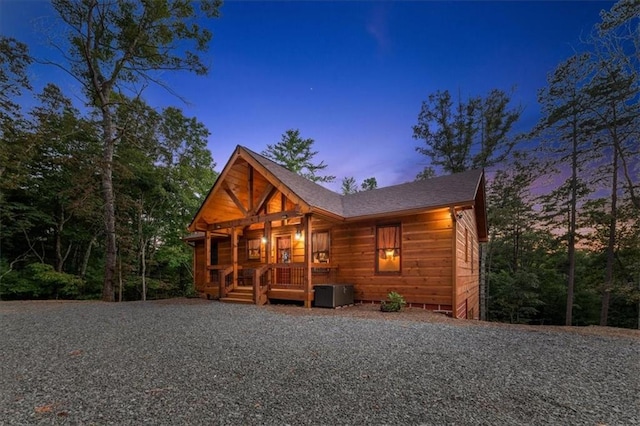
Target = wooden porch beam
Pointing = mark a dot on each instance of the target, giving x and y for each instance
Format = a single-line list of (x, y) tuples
[(233, 197), (267, 244), (266, 196), (256, 219)]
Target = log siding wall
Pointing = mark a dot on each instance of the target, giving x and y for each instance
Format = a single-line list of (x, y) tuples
[(431, 276), (426, 276), (467, 267)]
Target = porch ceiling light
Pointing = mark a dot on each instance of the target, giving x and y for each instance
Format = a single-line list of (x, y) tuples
[(264, 239)]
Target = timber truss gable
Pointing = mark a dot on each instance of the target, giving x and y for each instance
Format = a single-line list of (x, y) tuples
[(247, 194)]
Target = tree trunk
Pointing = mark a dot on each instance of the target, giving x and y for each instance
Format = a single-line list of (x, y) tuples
[(58, 243), (143, 268), (87, 256), (143, 250), (611, 245), (571, 250), (109, 205), (120, 279)]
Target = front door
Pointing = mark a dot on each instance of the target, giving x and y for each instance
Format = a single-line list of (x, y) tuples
[(283, 255)]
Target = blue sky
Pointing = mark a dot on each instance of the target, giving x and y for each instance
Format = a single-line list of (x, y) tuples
[(350, 75)]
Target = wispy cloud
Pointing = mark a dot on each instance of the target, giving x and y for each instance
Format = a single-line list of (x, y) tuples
[(378, 27)]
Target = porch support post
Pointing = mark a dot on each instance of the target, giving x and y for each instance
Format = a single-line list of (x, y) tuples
[(267, 244), (234, 254), (308, 291), (267, 247), (207, 258)]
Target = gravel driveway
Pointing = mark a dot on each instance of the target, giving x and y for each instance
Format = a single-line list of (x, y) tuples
[(200, 362)]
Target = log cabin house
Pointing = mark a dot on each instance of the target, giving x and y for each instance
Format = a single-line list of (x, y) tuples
[(265, 233)]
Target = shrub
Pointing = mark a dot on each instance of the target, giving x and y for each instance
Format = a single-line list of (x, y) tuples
[(394, 303)]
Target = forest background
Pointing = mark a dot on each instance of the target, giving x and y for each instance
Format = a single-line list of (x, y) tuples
[(94, 202)]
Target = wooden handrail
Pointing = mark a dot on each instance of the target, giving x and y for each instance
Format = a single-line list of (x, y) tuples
[(224, 285), (260, 288)]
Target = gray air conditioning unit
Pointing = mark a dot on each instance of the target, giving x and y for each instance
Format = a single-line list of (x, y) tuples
[(333, 295)]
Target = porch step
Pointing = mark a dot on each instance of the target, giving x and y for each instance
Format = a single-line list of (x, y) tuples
[(236, 300), (240, 294)]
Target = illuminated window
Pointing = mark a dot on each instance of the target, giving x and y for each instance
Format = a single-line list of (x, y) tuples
[(388, 248), (253, 246), (320, 247)]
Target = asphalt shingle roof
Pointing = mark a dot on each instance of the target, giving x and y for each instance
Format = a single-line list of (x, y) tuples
[(436, 192), (314, 194)]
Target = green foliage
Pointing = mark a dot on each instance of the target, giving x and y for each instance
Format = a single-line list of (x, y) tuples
[(394, 303), (349, 185), (296, 155), (115, 49), (39, 280), (369, 183), (472, 134), (514, 296)]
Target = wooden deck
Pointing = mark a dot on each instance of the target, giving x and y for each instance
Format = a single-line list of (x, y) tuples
[(286, 282), (287, 294)]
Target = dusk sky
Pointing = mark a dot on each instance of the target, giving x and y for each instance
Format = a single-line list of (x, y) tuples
[(350, 75)]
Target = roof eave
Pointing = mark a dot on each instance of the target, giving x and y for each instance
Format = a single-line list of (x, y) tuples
[(407, 212)]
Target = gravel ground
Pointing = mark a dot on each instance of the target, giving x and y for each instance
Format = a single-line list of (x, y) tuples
[(200, 362)]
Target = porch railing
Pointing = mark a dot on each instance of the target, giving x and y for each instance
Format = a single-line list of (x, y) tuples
[(287, 275), (274, 275)]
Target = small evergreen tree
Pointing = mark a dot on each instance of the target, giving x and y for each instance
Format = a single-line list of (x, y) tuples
[(296, 155)]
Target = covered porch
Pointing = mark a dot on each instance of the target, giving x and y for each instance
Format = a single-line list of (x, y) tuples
[(275, 257), (259, 239)]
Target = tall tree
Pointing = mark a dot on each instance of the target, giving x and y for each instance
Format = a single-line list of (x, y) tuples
[(163, 167), (566, 121), (513, 255), (617, 46), (613, 94), (296, 155), (62, 178), (467, 135), (116, 46), (14, 61)]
